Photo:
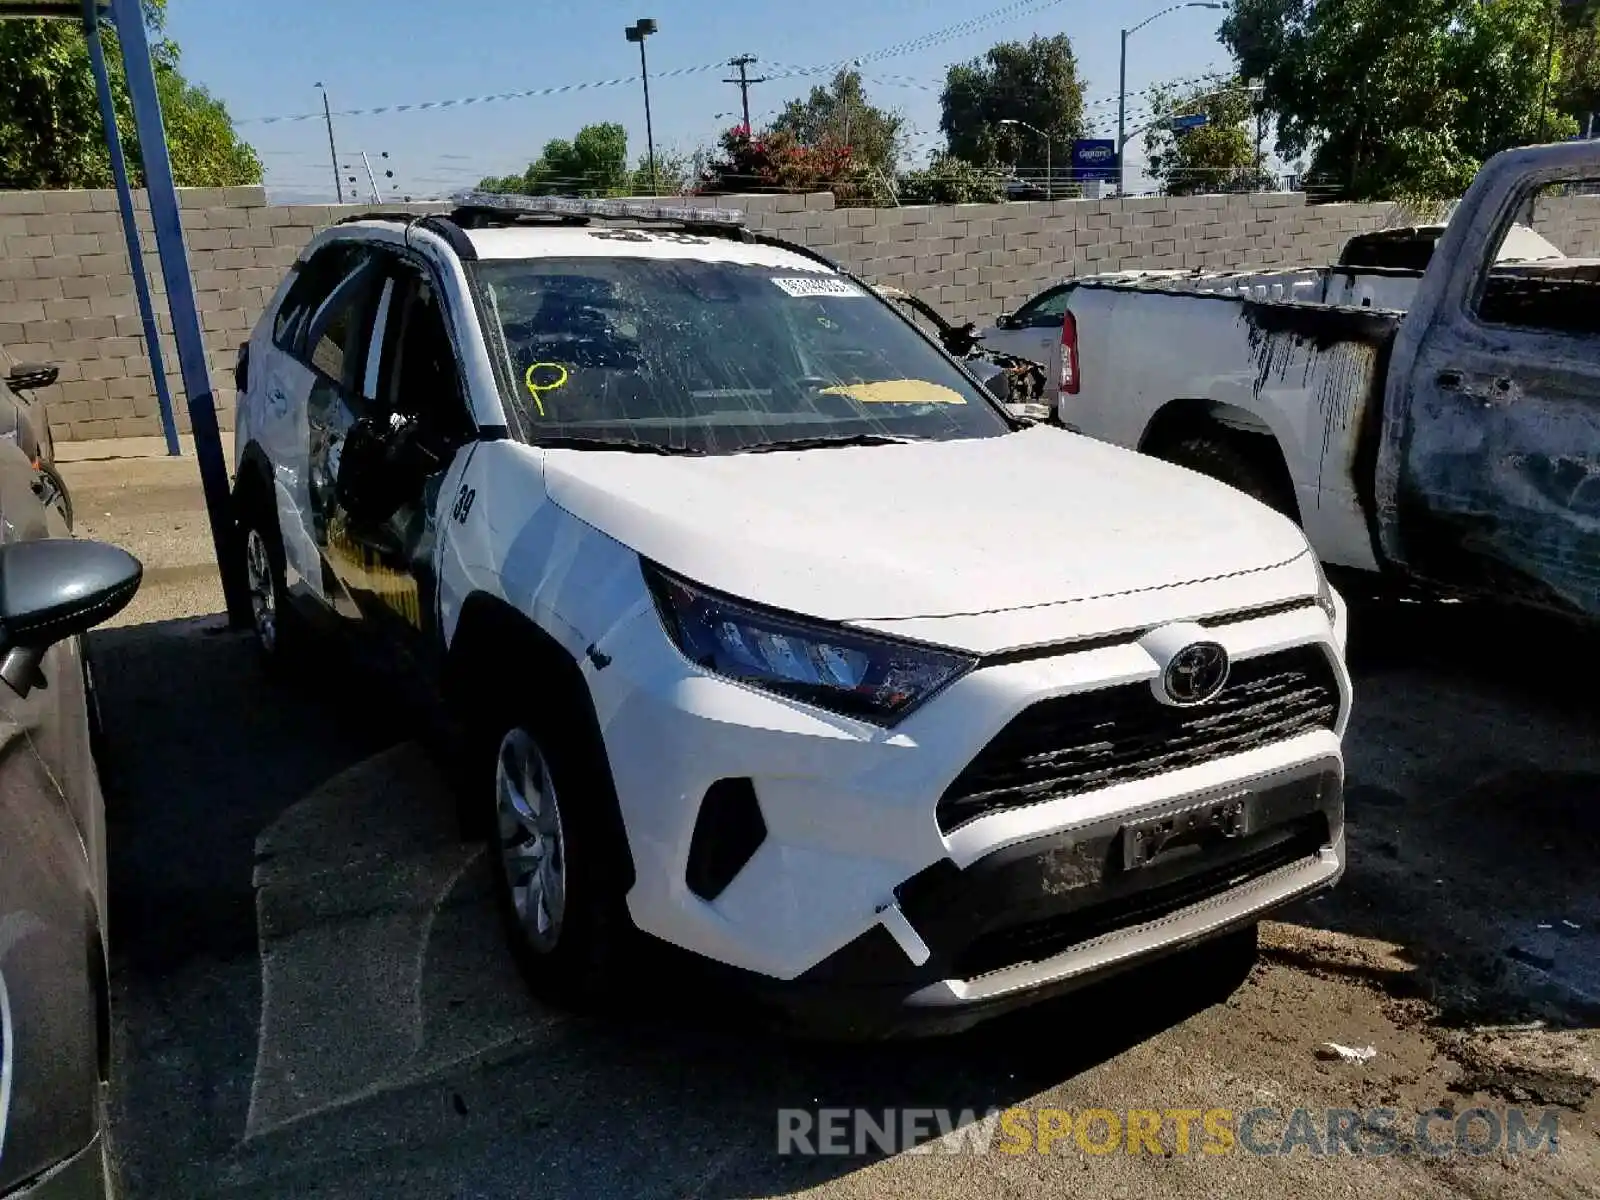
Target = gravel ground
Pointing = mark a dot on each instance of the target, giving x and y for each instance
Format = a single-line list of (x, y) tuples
[(311, 999)]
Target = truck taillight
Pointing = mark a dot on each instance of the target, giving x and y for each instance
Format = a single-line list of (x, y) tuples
[(1069, 356)]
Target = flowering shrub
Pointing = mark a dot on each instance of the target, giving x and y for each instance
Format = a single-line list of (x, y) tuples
[(777, 161)]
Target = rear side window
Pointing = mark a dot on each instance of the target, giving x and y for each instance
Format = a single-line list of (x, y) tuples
[(1531, 282), (314, 282)]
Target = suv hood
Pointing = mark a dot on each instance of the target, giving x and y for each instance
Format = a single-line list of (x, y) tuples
[(933, 529)]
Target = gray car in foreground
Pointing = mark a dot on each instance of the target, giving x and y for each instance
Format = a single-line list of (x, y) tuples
[(54, 1014)]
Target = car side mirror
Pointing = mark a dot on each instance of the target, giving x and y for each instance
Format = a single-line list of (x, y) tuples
[(995, 380), (25, 377), (1006, 321), (54, 589)]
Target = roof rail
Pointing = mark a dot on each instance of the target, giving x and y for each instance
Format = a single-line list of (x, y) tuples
[(477, 208)]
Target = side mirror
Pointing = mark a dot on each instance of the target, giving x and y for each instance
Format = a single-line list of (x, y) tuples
[(25, 377), (54, 589), (962, 341), (994, 379)]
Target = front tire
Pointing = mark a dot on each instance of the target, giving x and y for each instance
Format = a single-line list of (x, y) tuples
[(555, 881)]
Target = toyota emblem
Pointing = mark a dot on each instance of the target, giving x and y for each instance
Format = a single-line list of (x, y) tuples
[(1196, 674)]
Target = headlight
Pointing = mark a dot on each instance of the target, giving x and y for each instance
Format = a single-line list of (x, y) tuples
[(872, 678), (1327, 601)]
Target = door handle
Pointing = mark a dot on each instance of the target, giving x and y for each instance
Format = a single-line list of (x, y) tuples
[(1449, 380)]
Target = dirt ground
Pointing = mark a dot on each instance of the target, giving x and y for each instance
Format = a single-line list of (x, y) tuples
[(311, 997)]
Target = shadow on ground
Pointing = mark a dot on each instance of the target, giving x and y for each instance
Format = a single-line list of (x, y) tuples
[(284, 832), (1473, 810)]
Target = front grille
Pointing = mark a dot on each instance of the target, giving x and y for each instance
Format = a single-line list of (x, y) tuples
[(1040, 940), (1092, 740)]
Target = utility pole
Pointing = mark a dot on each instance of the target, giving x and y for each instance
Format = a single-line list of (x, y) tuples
[(1549, 64), (744, 83), (1261, 137), (327, 113)]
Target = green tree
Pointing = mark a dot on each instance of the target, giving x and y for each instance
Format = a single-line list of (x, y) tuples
[(841, 115), (1578, 86), (594, 163), (950, 180), (1398, 98), (1219, 156), (674, 175), (1034, 81), (51, 135)]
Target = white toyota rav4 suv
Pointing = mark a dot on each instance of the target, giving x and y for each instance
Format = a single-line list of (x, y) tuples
[(769, 633)]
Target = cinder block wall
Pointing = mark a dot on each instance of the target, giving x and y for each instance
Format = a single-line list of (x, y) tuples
[(66, 295)]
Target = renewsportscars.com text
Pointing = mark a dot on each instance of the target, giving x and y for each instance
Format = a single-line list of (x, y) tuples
[(1261, 1132)]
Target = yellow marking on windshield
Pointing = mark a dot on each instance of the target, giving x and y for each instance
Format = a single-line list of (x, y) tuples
[(897, 391), (537, 390)]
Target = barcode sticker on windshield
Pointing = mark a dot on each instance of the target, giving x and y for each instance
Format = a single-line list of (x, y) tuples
[(819, 285)]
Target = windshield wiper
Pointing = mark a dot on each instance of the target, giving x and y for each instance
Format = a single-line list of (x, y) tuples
[(575, 442), (824, 442)]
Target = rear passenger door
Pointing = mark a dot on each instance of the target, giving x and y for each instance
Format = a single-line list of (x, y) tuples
[(335, 350), (290, 380)]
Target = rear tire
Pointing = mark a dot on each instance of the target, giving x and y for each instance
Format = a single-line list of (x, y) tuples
[(557, 888), (1227, 461), (278, 633)]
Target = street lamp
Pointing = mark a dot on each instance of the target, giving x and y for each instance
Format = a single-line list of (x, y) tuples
[(637, 32), (1122, 98), (327, 113), (1049, 172)]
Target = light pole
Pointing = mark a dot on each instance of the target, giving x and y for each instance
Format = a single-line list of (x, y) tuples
[(327, 112), (1049, 171), (1122, 88), (637, 32)]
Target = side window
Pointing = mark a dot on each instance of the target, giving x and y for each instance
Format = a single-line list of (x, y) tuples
[(423, 378), (1542, 274), (1045, 313), (314, 280)]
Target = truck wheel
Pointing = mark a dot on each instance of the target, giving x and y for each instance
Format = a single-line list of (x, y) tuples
[(1226, 461), (557, 891)]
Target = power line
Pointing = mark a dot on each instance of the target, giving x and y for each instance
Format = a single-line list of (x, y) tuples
[(926, 41)]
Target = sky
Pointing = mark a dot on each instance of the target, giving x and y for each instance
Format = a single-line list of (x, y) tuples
[(265, 59)]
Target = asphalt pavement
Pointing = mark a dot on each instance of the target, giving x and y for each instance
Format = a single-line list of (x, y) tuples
[(311, 997)]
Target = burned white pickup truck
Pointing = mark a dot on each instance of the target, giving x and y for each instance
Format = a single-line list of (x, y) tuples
[(1429, 408)]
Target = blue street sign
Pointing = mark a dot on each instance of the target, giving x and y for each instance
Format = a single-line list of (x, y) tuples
[(1194, 121), (1094, 160)]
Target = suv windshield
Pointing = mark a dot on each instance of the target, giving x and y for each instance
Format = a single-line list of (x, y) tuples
[(715, 357)]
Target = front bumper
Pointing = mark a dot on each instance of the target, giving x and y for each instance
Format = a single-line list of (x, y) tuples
[(1058, 913), (853, 888)]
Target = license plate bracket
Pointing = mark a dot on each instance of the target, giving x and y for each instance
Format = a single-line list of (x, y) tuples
[(1144, 842)]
